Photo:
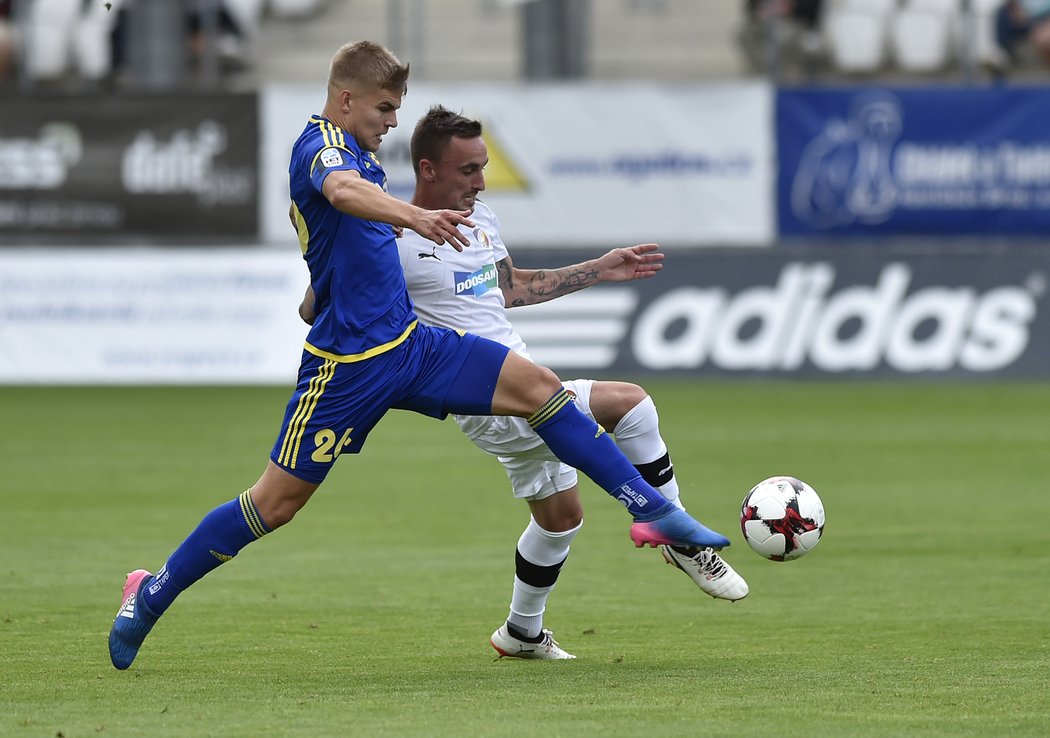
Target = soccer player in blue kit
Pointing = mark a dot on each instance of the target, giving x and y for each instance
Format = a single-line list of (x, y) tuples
[(366, 353)]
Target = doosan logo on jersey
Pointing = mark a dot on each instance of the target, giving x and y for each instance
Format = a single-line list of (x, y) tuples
[(470, 282), (856, 328)]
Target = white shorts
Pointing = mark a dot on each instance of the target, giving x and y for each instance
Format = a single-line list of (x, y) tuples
[(534, 471)]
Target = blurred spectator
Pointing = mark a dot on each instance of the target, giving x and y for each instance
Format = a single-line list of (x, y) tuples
[(797, 32), (67, 35), (103, 40), (234, 24), (1017, 21), (7, 41)]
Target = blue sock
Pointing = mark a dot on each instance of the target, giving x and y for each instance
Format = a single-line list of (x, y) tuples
[(580, 442), (223, 532)]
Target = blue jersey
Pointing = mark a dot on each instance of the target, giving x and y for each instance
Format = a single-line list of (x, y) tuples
[(362, 304)]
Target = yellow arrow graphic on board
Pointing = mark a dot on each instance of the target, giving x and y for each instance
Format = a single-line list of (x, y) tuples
[(501, 174)]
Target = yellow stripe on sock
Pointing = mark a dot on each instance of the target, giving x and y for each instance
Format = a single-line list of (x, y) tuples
[(552, 406), (251, 515)]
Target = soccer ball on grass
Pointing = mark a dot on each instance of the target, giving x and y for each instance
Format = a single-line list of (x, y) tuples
[(782, 518)]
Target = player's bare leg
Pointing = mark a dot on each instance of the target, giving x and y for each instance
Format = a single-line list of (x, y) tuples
[(580, 442)]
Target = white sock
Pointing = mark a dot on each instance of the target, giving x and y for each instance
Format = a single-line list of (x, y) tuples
[(544, 552), (638, 436)]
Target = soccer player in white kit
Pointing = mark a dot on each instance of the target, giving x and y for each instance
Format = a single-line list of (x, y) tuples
[(470, 290)]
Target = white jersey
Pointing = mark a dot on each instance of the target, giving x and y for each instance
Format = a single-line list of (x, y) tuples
[(460, 289)]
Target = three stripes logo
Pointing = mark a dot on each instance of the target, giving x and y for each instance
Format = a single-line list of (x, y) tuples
[(127, 610), (583, 330)]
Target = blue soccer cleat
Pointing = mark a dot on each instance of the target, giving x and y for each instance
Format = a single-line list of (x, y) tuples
[(676, 528), (133, 622)]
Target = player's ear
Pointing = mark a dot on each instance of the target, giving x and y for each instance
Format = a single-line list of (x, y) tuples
[(426, 169)]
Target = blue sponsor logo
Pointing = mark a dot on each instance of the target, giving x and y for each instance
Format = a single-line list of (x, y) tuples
[(476, 283)]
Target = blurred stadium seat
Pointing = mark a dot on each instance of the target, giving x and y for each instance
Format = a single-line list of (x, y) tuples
[(986, 48), (856, 32), (289, 40), (921, 35), (92, 45), (293, 8), (48, 33)]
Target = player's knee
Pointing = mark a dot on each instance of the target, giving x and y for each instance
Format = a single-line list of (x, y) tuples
[(610, 401), (631, 397), (563, 518), (523, 388), (279, 513), (563, 521), (547, 381), (571, 520)]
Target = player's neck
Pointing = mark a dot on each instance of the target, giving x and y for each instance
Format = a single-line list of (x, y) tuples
[(335, 117), (425, 200)]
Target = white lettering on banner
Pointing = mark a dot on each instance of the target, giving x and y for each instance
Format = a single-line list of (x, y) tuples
[(859, 170), (185, 164), (1008, 163), (40, 163), (777, 328), (582, 330)]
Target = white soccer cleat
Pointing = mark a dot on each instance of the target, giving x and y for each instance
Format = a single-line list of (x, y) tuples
[(709, 570), (507, 645)]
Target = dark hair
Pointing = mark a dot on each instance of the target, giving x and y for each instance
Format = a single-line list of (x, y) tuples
[(368, 63), (435, 129)]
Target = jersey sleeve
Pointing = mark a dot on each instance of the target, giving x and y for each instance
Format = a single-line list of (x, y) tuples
[(328, 159)]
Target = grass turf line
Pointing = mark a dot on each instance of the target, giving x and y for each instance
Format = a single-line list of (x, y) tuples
[(922, 613)]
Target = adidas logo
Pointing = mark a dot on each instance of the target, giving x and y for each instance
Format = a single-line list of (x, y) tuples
[(127, 610)]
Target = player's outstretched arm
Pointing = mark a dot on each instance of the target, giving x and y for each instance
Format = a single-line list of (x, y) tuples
[(350, 194), (531, 286)]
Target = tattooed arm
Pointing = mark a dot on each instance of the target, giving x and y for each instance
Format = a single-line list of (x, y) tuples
[(532, 286)]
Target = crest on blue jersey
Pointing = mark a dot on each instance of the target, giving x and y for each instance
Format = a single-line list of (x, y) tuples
[(331, 157), (476, 283)]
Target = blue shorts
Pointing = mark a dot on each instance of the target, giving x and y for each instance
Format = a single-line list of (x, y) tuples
[(433, 372)]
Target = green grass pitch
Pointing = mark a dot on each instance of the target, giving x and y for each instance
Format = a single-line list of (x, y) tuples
[(925, 611)]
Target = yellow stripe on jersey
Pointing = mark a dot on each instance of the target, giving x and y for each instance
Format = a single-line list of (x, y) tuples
[(374, 351), (297, 425), (333, 138), (301, 229), (552, 406), (251, 515)]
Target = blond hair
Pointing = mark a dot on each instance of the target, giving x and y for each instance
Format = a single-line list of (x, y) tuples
[(369, 64)]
